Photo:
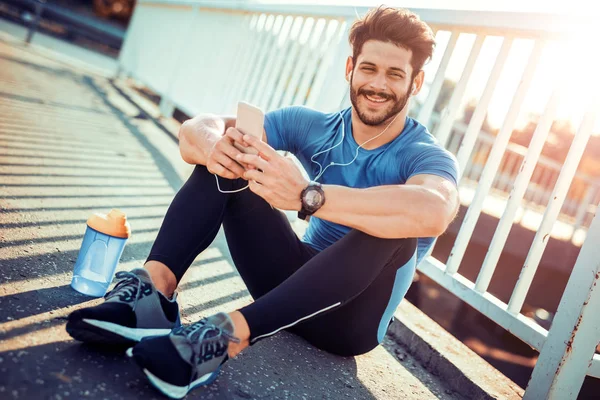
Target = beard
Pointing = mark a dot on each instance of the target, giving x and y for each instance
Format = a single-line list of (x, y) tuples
[(396, 105)]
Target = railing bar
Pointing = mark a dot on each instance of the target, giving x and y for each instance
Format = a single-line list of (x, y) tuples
[(583, 208), (265, 64), (255, 47), (227, 104), (289, 64), (289, 51), (493, 161), (299, 67), (544, 179), (240, 68), (573, 337), (466, 147), (455, 142), (210, 33), (496, 181), (265, 39), (558, 195), (549, 183), (223, 56), (510, 166), (470, 168), (310, 69), (577, 197), (436, 85), (205, 28), (522, 327), (516, 196), (329, 73), (449, 115), (276, 64), (535, 178)]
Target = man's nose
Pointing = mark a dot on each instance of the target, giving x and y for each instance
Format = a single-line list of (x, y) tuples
[(379, 83)]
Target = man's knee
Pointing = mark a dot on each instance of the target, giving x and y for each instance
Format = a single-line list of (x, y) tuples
[(364, 239)]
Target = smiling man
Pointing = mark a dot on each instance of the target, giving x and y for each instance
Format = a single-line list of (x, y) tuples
[(381, 189)]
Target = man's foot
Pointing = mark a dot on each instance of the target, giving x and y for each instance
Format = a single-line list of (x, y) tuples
[(187, 358), (134, 309)]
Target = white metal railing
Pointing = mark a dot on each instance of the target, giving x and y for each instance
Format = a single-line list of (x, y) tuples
[(584, 192), (204, 56)]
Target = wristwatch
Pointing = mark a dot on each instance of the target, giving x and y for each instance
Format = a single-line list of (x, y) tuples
[(313, 198)]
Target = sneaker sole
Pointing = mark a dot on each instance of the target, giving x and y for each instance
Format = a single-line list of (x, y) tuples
[(102, 332), (174, 391)]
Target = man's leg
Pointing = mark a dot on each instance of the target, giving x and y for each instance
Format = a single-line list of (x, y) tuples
[(264, 247), (342, 299), (190, 225), (139, 304)]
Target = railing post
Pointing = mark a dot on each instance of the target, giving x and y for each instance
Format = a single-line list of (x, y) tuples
[(35, 22), (583, 207), (572, 340)]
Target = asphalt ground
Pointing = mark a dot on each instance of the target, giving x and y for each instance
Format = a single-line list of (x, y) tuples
[(71, 145)]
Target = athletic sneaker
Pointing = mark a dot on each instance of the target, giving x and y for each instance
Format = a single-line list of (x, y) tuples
[(187, 358), (134, 309)]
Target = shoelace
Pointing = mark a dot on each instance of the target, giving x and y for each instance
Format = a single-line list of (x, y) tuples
[(196, 334), (129, 283)]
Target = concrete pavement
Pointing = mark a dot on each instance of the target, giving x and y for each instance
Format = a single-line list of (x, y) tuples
[(70, 145)]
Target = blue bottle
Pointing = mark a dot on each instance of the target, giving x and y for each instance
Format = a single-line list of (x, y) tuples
[(100, 252)]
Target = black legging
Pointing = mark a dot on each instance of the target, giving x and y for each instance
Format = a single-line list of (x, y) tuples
[(340, 299)]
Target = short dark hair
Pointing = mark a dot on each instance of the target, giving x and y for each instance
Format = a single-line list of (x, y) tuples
[(398, 26)]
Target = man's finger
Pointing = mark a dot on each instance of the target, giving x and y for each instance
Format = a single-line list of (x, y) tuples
[(259, 189), (236, 135), (254, 160), (263, 148), (254, 175), (223, 172), (229, 163), (231, 151)]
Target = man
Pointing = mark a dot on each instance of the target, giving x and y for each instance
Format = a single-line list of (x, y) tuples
[(386, 188)]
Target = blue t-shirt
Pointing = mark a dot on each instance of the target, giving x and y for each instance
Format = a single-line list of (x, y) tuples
[(305, 132)]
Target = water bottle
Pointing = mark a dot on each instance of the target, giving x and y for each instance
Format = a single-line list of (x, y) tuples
[(100, 252)]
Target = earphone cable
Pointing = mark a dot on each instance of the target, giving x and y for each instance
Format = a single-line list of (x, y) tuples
[(322, 171)]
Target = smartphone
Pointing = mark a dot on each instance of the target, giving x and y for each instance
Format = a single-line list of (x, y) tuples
[(250, 121)]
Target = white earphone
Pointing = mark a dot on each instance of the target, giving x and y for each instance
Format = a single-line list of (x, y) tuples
[(322, 171), (312, 159)]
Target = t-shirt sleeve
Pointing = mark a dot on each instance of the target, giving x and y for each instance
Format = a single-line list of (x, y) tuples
[(288, 128), (431, 159)]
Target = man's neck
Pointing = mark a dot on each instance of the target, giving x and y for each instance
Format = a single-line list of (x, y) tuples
[(362, 132)]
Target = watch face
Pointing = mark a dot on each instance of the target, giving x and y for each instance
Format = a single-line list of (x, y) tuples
[(313, 198)]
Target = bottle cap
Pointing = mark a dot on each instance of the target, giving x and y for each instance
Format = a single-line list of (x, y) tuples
[(114, 224)]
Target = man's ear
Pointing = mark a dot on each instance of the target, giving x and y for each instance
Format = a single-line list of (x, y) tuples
[(349, 68), (417, 83)]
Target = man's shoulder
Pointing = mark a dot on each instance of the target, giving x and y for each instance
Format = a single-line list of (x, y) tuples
[(299, 111), (422, 142), (302, 117)]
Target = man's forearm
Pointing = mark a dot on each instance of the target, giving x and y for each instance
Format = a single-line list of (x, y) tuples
[(399, 211), (198, 135)]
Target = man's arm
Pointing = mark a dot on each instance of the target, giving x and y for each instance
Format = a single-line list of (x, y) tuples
[(423, 207), (198, 136)]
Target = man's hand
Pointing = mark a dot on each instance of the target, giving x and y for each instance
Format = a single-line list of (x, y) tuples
[(273, 177), (223, 155)]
